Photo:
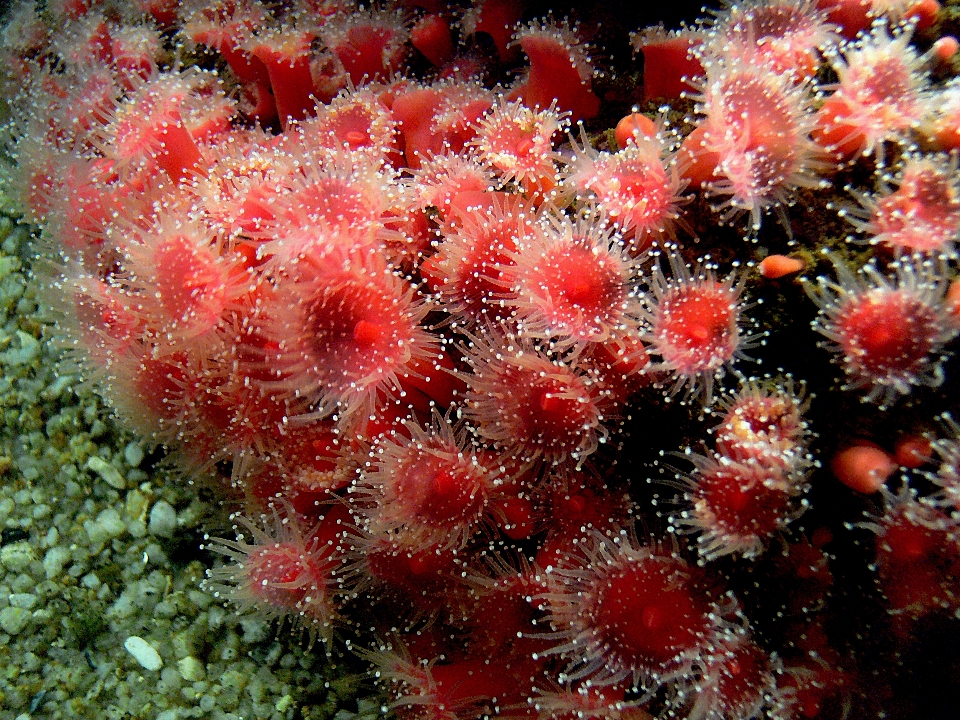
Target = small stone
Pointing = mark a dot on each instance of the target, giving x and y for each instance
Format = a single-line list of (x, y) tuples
[(133, 454), (111, 523), (163, 519), (14, 619), (143, 652), (90, 580), (136, 504), (191, 669), (23, 600), (95, 533), (51, 538), (16, 557), (27, 351), (54, 560), (110, 475)]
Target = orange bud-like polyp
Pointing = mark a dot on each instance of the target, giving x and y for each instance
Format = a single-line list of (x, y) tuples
[(632, 125), (431, 36), (912, 451), (924, 13), (863, 468), (945, 48), (778, 266)]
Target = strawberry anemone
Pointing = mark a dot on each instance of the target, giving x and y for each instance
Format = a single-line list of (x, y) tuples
[(344, 331)]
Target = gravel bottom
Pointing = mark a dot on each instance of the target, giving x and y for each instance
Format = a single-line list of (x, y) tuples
[(101, 611)]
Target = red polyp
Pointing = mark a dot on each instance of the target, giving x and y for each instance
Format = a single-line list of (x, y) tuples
[(154, 388), (431, 36), (852, 16), (918, 558), (178, 154), (886, 331), (648, 613), (191, 285), (370, 45), (889, 332), (464, 682), (288, 65), (535, 408), (413, 111), (922, 214), (286, 570), (471, 260), (163, 11), (434, 377), (149, 131), (430, 490), (739, 506), (667, 62), (783, 34), (636, 188), (763, 423), (559, 73), (496, 18), (736, 677), (271, 566), (696, 327), (906, 542), (577, 278)]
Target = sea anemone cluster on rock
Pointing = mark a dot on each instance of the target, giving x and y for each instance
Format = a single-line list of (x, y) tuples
[(560, 367)]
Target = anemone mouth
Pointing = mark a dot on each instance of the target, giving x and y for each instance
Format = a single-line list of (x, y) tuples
[(518, 143), (345, 334), (571, 283), (433, 487), (537, 409), (632, 613), (889, 332), (693, 322)]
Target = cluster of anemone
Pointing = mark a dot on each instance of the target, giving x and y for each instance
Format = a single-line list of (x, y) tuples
[(416, 329), (745, 491)]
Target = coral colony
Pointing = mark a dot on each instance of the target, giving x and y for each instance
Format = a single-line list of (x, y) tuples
[(558, 371)]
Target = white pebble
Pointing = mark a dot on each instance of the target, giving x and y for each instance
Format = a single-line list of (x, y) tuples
[(90, 580), (133, 454), (111, 523), (143, 652), (23, 600), (23, 355), (14, 619), (16, 557), (191, 669), (111, 476), (163, 519), (54, 560)]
